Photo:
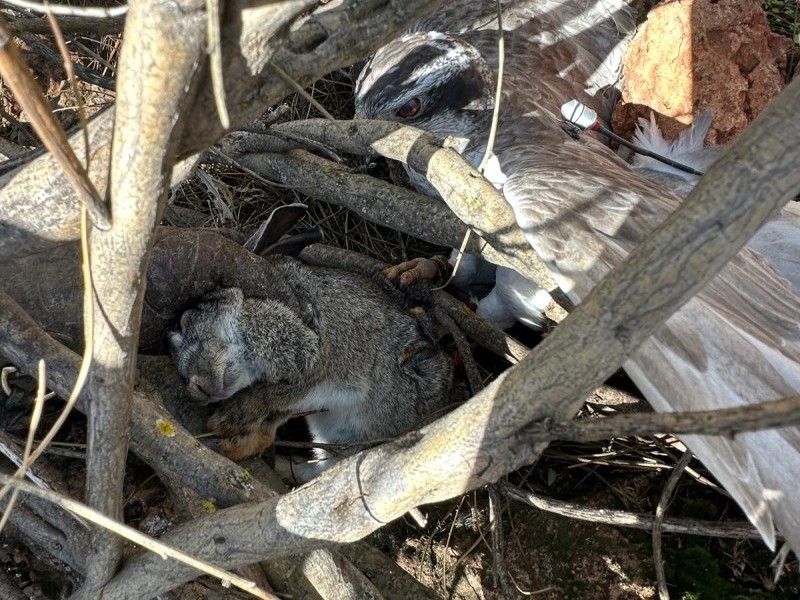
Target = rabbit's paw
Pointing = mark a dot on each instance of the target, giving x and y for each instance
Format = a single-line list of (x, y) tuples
[(233, 418), (243, 437), (245, 444)]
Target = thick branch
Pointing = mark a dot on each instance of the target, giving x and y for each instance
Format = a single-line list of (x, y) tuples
[(377, 201), (157, 74)]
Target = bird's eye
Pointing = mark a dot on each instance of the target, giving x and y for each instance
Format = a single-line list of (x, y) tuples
[(409, 109)]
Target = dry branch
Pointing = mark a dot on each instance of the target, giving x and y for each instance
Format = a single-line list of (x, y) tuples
[(481, 441), (40, 209), (69, 24), (44, 50), (470, 196), (39, 474), (727, 422), (620, 518), (158, 61), (661, 510), (375, 200), (19, 79)]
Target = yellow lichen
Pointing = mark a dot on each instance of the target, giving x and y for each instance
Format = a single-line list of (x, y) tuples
[(166, 428)]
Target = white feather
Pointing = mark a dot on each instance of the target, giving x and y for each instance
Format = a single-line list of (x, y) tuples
[(689, 149)]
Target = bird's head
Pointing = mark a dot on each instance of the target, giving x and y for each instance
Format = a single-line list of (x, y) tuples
[(430, 80)]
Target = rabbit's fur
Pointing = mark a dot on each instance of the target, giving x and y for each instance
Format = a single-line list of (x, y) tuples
[(352, 352)]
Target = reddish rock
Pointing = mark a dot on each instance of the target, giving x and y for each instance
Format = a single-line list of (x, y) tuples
[(695, 54)]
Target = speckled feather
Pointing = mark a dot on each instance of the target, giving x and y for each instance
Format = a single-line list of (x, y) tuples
[(584, 210)]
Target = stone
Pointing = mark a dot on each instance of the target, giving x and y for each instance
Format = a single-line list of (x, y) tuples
[(692, 55)]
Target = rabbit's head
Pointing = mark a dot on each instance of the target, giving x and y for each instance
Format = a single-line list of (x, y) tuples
[(229, 342), (209, 351)]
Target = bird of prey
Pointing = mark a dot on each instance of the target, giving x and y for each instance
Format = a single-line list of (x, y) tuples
[(583, 210)]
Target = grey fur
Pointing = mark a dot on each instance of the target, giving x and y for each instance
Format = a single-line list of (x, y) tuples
[(356, 355)]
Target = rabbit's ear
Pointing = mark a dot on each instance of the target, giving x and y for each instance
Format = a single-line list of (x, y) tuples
[(280, 220), (285, 348), (231, 295), (292, 245)]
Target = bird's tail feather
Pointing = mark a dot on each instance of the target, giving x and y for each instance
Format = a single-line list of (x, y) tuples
[(689, 149)]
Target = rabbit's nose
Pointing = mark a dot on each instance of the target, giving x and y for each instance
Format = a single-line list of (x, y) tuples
[(206, 389)]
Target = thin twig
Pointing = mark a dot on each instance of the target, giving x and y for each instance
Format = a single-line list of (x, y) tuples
[(459, 257), (84, 73), (498, 94), (38, 407), (137, 537), (300, 90), (215, 58), (470, 366), (12, 448), (72, 11), (73, 84), (94, 55), (726, 422), (19, 79), (447, 542), (621, 518), (499, 571), (661, 509)]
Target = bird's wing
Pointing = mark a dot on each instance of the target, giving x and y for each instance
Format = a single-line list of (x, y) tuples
[(779, 242), (735, 343)]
